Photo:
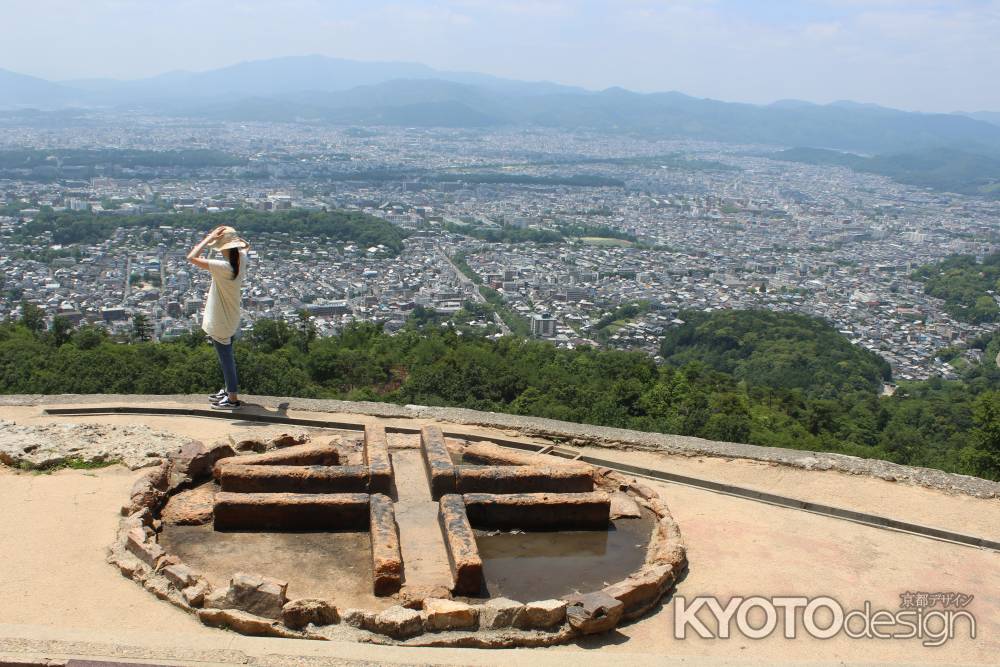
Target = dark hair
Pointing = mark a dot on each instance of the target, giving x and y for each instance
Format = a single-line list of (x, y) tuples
[(234, 261)]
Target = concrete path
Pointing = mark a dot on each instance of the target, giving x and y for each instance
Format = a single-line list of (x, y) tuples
[(425, 560)]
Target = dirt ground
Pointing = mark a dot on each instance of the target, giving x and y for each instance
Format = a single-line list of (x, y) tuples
[(58, 596)]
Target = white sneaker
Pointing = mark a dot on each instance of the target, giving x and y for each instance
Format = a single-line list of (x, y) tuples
[(226, 404)]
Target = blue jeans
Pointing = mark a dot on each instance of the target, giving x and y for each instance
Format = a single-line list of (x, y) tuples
[(228, 363)]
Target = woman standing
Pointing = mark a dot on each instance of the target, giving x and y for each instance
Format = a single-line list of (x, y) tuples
[(221, 319)]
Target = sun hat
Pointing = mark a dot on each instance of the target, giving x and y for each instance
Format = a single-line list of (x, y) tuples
[(228, 239)]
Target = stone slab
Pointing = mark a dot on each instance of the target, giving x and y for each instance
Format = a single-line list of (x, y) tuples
[(387, 562), (437, 462), (376, 449), (522, 479), (310, 454), (291, 511), (293, 479), (539, 511), (463, 553)]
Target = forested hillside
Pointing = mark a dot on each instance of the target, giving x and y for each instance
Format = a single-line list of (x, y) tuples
[(965, 285), (736, 376)]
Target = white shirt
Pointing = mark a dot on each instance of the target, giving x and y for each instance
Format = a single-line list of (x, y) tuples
[(222, 307)]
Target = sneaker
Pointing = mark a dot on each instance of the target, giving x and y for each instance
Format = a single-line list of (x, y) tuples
[(226, 404), (218, 396)]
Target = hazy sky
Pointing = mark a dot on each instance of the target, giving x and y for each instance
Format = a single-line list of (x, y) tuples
[(913, 54)]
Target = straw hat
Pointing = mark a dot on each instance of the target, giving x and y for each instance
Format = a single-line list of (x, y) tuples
[(228, 239)]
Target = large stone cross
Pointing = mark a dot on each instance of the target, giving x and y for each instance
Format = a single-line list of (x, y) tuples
[(306, 488)]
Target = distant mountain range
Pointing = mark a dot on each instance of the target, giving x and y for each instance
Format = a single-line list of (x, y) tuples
[(330, 90)]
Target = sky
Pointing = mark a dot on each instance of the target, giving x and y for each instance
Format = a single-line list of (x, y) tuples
[(922, 55)]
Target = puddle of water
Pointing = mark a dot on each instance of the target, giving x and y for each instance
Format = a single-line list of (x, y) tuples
[(541, 565)]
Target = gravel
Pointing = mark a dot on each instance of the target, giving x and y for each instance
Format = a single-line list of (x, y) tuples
[(52, 445)]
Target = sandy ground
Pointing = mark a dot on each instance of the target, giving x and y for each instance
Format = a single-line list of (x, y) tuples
[(58, 596)]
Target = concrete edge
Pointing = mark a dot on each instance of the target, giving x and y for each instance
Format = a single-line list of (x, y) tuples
[(574, 434)]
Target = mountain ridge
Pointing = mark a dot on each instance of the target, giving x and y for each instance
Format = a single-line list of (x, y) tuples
[(333, 90)]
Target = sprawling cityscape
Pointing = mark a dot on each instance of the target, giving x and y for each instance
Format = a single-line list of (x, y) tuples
[(673, 226)]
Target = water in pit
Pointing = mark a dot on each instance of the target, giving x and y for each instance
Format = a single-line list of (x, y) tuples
[(540, 565), (331, 565)]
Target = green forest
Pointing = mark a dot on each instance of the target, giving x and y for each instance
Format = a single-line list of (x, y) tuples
[(763, 378), (68, 227), (944, 169), (965, 285)]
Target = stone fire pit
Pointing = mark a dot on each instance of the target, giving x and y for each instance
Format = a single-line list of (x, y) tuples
[(417, 543)]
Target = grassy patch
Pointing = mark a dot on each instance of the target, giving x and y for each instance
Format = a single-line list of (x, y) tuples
[(75, 463), (604, 241)]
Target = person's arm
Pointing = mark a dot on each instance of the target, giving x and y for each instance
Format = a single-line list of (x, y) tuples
[(195, 255)]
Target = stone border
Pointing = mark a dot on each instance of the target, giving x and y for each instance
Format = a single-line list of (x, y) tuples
[(437, 462), (460, 542), (387, 560), (257, 605), (579, 434), (376, 451)]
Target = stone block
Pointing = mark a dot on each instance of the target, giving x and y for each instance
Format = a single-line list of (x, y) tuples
[(195, 594), (310, 454), (238, 478), (488, 453), (240, 621), (539, 511), (499, 613), (624, 507), (437, 462), (387, 562), (196, 460), (288, 440), (190, 508), (251, 445), (358, 618), (148, 490), (667, 547), (643, 589), (300, 613), (291, 511), (522, 479), (148, 552), (591, 613), (544, 614), (412, 597), (463, 553), (376, 451), (261, 596), (440, 615), (180, 575), (398, 622)]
